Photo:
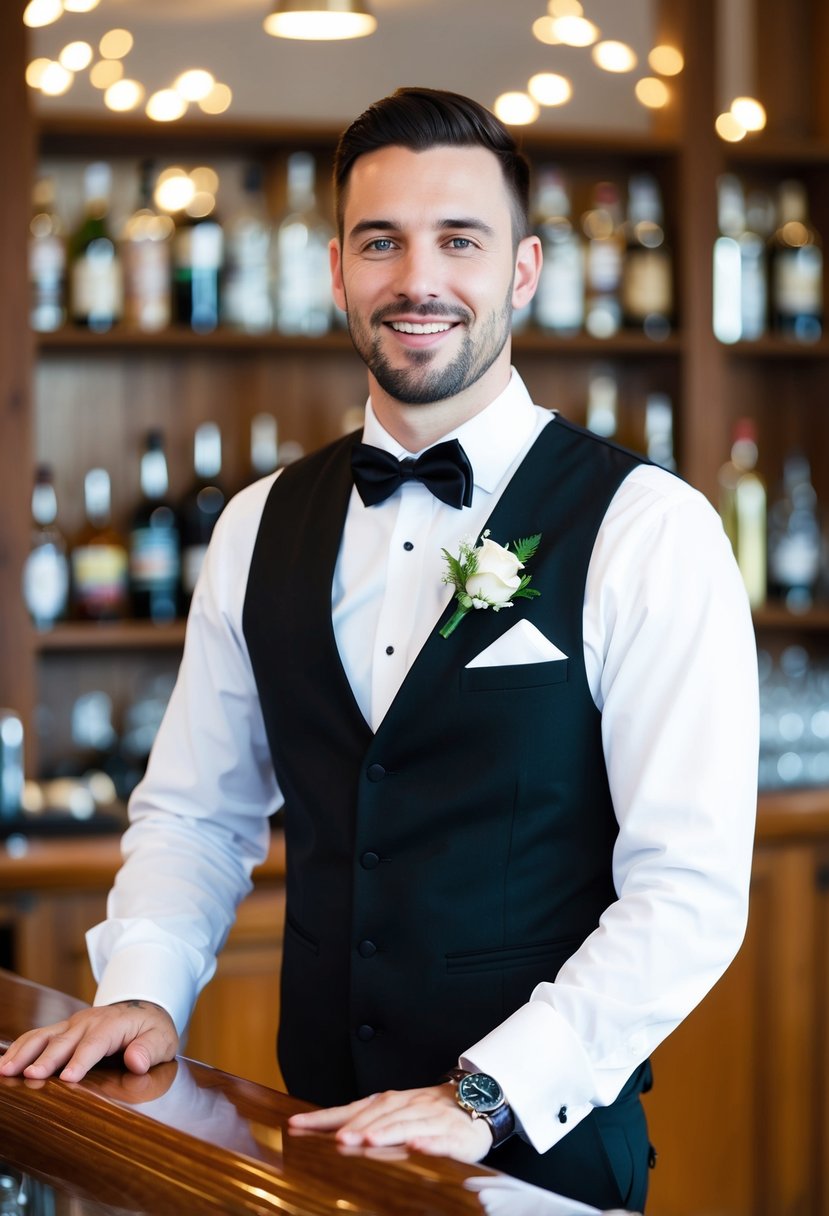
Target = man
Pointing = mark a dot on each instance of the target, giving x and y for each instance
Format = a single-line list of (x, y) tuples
[(519, 847)]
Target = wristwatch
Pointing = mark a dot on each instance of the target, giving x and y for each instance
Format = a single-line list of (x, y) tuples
[(481, 1096)]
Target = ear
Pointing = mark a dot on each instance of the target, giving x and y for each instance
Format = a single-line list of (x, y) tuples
[(527, 269), (336, 261)]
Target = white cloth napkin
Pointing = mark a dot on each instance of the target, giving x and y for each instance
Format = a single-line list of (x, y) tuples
[(523, 643)]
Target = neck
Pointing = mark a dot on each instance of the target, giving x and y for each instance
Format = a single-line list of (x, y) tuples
[(416, 427)]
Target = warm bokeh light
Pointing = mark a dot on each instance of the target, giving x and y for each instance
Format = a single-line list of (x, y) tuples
[(320, 25), (205, 180), (35, 70), (217, 100), (652, 92), (749, 113), (516, 109), (80, 6), (575, 31), (56, 80), (173, 190), (115, 44), (124, 95), (543, 30), (76, 56), (105, 72), (666, 60), (549, 89), (613, 56), (201, 204), (194, 84), (729, 129), (565, 8), (165, 106), (42, 12)]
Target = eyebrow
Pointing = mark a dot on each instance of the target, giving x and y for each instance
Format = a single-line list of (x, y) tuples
[(467, 223)]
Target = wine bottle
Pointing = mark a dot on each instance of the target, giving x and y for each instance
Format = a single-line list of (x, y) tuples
[(602, 228), (602, 405), (202, 505), (96, 293), (264, 446), (647, 277), (98, 559), (742, 504), (46, 571), (558, 305), (303, 301), (47, 261), (154, 547), (796, 268), (794, 536), (740, 272), (146, 243), (198, 254), (659, 430), (246, 290)]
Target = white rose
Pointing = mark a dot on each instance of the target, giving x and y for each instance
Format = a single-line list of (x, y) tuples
[(496, 579)]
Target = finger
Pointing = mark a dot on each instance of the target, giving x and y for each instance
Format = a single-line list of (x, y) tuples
[(26, 1048), (459, 1147), (329, 1118)]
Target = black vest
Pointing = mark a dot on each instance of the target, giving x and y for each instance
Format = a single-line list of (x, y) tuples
[(438, 870)]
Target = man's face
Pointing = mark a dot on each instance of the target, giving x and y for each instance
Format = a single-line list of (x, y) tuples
[(427, 270)]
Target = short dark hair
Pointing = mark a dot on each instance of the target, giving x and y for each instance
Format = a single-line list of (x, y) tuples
[(419, 119)]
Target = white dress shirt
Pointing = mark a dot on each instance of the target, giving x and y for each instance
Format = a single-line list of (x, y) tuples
[(671, 663)]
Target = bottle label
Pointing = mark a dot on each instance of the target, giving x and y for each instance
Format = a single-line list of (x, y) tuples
[(147, 302), (648, 285), (46, 584), (99, 573), (559, 301), (96, 287), (798, 281), (154, 559)]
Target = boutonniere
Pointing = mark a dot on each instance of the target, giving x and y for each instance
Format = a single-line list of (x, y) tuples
[(486, 576)]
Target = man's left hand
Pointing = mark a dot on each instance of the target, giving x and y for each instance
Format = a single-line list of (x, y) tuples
[(428, 1120)]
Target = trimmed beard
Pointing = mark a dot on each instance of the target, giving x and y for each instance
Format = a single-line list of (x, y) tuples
[(417, 385)]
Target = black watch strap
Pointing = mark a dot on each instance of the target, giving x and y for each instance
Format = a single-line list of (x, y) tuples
[(501, 1120)]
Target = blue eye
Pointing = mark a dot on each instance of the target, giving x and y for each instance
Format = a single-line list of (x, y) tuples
[(381, 244), (460, 242)]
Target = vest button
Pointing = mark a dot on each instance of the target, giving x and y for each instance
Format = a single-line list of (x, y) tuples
[(365, 1033), (370, 861), (366, 949), (375, 772)]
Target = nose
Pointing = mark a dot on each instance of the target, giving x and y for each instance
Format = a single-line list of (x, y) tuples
[(420, 274)]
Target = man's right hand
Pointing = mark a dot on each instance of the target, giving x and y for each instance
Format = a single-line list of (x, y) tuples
[(144, 1032)]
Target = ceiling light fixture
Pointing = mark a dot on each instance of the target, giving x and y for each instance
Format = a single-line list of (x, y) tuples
[(320, 20)]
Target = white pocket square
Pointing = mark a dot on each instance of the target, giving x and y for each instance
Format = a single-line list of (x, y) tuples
[(523, 643)]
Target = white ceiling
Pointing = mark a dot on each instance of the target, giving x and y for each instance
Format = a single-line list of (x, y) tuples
[(478, 47)]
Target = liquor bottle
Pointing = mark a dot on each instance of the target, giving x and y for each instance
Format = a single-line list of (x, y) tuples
[(47, 261), (740, 276), (146, 243), (246, 287), (96, 281), (154, 547), (558, 305), (796, 268), (303, 302), (602, 405), (46, 571), (742, 504), (659, 430), (99, 562), (198, 254), (264, 446), (794, 536), (602, 228), (202, 505), (647, 277)]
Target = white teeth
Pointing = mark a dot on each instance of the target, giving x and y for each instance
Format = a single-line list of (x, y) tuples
[(433, 327)]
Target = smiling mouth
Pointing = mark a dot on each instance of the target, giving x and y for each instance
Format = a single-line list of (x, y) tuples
[(427, 327)]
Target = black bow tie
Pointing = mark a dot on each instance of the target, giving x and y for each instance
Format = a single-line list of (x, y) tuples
[(445, 469)]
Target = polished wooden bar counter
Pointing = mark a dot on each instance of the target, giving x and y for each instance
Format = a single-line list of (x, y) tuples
[(187, 1138)]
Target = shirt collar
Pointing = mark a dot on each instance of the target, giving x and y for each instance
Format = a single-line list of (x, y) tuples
[(492, 440)]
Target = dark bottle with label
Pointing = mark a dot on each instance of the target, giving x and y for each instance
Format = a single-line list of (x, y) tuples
[(100, 585), (154, 547), (796, 268), (202, 505), (198, 256), (97, 294), (647, 278), (794, 543)]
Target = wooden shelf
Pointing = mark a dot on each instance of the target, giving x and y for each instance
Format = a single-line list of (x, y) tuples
[(110, 635), (772, 347), (777, 616)]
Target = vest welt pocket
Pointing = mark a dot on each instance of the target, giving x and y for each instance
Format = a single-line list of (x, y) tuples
[(504, 957), (304, 938), (517, 675)]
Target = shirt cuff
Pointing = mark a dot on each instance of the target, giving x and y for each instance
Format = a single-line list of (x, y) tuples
[(142, 973), (543, 1070)]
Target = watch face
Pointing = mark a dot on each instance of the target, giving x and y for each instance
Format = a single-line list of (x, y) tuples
[(480, 1092)]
